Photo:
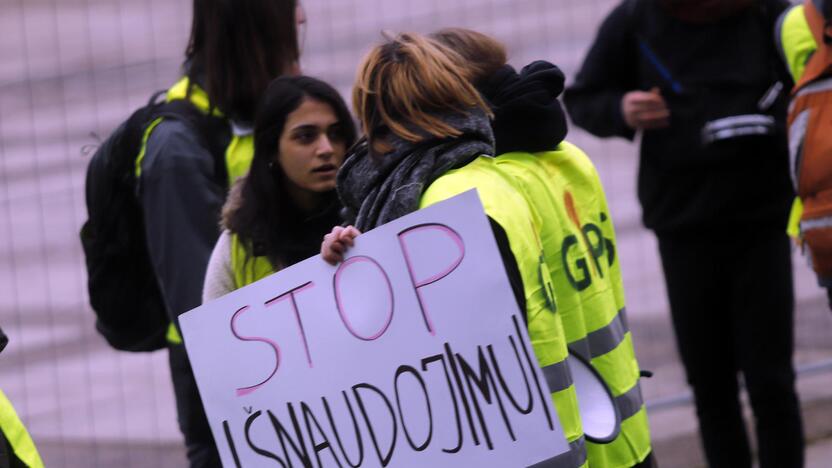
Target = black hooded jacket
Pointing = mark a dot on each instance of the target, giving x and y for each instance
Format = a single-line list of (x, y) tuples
[(705, 71), (527, 114)]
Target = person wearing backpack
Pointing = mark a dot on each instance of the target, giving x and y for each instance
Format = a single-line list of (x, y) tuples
[(802, 34), (277, 214), (235, 50), (700, 82)]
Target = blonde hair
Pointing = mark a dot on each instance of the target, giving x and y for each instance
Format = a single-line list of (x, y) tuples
[(404, 83), (483, 54)]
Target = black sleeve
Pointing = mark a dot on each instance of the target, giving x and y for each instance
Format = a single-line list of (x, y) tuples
[(610, 70), (776, 8), (181, 199), (510, 263)]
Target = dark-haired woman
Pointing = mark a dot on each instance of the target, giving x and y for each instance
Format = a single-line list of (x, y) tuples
[(276, 215), (235, 49)]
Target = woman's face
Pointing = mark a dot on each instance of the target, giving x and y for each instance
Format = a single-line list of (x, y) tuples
[(311, 148)]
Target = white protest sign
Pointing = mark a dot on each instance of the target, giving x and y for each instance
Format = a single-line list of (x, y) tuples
[(410, 353)]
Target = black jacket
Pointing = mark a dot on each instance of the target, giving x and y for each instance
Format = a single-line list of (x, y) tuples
[(710, 71), (181, 197)]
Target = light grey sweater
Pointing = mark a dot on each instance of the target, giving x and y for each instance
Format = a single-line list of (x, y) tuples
[(219, 278)]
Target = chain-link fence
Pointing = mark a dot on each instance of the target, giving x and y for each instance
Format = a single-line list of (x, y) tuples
[(71, 70)]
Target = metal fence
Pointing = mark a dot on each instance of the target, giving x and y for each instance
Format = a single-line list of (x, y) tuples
[(72, 69)]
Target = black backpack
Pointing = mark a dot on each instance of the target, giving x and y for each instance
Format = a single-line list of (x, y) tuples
[(123, 289)]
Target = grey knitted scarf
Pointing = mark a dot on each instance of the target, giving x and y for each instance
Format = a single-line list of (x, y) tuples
[(377, 190)]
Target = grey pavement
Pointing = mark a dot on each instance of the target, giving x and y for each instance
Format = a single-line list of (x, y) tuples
[(70, 70), (676, 443)]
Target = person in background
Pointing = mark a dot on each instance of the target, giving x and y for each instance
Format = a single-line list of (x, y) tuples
[(17, 450), (802, 35), (277, 214), (428, 139), (561, 184), (235, 50), (700, 83)]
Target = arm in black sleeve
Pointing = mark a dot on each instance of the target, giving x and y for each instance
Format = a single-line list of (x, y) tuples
[(609, 71), (510, 263), (181, 199)]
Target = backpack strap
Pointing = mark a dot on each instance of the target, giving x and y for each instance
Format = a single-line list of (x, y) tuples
[(214, 132)]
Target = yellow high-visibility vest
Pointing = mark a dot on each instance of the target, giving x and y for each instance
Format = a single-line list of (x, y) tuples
[(578, 240), (246, 267), (505, 204)]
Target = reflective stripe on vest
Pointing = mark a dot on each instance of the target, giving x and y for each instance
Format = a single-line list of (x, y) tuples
[(571, 214), (505, 204), (21, 443), (630, 403), (603, 340), (557, 376), (238, 155), (738, 125)]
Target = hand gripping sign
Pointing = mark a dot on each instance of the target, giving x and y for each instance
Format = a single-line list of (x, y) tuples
[(410, 353)]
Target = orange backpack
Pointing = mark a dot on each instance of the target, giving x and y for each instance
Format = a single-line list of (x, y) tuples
[(810, 146)]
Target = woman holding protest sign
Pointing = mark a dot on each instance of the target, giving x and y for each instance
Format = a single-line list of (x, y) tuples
[(276, 215), (429, 138)]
